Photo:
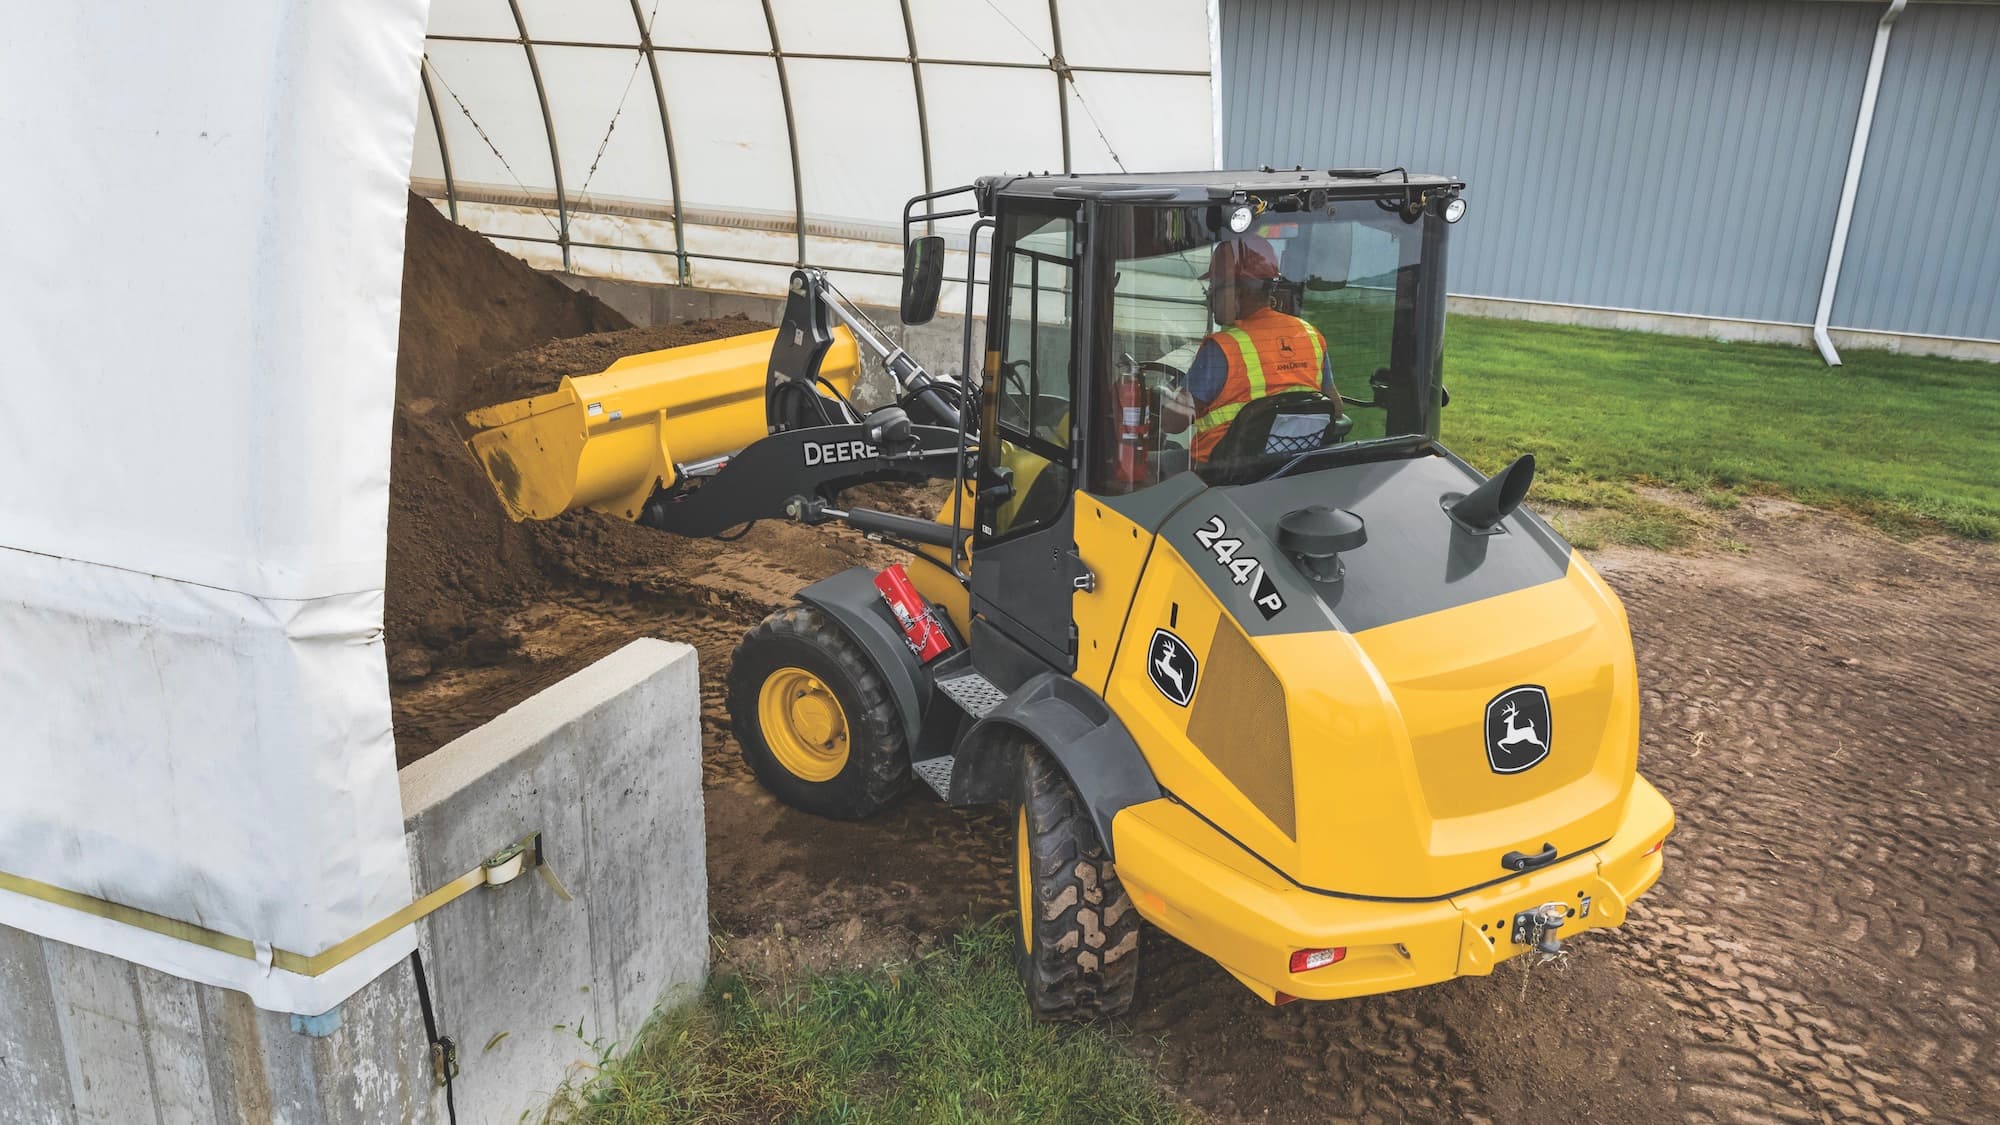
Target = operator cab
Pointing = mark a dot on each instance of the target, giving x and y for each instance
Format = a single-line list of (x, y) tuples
[(1094, 373)]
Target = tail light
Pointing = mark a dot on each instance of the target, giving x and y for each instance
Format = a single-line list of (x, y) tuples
[(1307, 959)]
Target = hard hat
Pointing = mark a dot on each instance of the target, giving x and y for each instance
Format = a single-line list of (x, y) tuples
[(1250, 258)]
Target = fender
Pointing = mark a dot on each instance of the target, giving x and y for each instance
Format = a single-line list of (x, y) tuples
[(851, 599), (1078, 729)]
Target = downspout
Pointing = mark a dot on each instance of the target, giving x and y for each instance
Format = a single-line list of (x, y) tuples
[(1215, 77), (1852, 185)]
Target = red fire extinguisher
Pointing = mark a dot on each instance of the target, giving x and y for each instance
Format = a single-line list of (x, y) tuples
[(926, 635), (1128, 396)]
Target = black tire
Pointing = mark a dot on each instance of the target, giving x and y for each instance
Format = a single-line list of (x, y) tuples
[(1077, 944), (876, 768)]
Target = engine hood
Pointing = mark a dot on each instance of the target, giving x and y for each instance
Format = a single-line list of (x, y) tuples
[(1454, 698)]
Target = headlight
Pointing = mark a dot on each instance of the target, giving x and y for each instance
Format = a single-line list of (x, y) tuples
[(1239, 219), (1455, 209)]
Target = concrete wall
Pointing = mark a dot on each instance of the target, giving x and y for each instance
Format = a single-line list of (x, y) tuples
[(937, 344), (85, 1037), (606, 765)]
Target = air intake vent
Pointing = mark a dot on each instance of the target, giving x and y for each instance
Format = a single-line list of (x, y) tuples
[(1239, 724)]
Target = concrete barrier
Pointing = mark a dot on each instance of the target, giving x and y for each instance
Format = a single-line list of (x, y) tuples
[(607, 766), (528, 984), (86, 1037)]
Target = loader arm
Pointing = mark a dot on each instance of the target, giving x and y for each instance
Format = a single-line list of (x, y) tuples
[(675, 439)]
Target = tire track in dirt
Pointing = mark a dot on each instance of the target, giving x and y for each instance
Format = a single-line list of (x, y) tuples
[(1821, 710)]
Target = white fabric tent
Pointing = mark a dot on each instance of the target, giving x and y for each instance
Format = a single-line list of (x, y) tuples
[(201, 303), (200, 308), (720, 144)]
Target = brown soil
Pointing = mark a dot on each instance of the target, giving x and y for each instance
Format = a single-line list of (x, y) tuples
[(467, 586), (1822, 708)]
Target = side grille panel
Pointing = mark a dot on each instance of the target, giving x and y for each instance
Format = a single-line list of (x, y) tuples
[(1239, 723)]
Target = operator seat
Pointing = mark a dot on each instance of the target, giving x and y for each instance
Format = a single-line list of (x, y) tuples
[(1280, 425)]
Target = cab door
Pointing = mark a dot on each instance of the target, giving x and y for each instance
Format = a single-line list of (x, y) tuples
[(1025, 569)]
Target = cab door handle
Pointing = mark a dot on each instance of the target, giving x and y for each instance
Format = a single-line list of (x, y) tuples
[(1522, 861)]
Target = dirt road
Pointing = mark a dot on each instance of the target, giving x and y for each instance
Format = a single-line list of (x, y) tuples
[(1822, 709)]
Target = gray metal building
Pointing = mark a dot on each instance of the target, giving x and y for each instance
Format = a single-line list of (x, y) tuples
[(1677, 157)]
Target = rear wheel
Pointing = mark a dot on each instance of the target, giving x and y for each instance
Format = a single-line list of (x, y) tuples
[(815, 721), (1077, 944)]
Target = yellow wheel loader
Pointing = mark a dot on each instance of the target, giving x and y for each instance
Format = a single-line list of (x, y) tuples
[(1244, 650)]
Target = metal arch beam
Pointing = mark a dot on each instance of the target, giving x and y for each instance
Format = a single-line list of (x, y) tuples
[(835, 56), (667, 128), (1061, 70), (791, 127), (444, 149), (923, 114), (548, 126)]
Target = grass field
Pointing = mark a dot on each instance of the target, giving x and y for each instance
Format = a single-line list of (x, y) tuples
[(946, 1038), (1911, 442)]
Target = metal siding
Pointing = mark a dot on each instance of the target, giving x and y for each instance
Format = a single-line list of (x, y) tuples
[(1677, 157), (1924, 254)]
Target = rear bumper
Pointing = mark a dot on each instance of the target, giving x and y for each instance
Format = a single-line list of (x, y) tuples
[(1198, 885)]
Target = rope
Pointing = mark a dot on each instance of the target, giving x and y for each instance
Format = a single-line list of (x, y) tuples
[(495, 149)]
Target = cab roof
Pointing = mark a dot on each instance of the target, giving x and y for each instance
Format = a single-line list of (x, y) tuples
[(1205, 186)]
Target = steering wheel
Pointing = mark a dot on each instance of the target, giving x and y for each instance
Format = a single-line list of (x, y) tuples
[(1015, 372)]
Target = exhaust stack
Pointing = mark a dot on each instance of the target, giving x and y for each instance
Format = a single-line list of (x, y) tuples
[(1481, 510)]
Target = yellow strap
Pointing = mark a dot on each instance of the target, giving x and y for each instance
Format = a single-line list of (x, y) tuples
[(1220, 416), (493, 870), (1253, 364)]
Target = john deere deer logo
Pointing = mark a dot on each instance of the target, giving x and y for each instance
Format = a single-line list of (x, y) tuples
[(1518, 729), (1172, 666), (1518, 734)]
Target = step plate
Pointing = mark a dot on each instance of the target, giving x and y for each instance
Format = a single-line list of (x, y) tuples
[(936, 773), (974, 692)]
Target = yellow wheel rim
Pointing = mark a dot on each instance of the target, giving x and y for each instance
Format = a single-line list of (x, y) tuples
[(803, 724), (1023, 880)]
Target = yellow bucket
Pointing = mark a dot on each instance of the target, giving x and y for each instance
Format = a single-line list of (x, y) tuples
[(606, 441)]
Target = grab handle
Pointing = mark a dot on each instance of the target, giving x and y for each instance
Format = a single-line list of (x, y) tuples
[(1522, 861)]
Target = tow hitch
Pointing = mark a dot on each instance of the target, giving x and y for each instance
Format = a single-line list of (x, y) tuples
[(1538, 927)]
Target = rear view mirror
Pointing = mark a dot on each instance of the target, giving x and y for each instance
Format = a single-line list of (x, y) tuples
[(923, 277)]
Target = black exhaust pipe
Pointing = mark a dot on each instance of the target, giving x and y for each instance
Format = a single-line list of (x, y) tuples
[(1481, 510)]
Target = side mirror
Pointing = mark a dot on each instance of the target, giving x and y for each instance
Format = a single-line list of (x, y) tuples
[(923, 277)]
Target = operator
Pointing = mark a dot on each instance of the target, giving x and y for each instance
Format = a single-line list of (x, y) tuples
[(1258, 351)]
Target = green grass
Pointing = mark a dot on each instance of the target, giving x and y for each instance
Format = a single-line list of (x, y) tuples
[(946, 1038), (1910, 442)]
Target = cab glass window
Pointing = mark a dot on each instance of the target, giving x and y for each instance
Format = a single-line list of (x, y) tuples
[(1034, 385), (1233, 352)]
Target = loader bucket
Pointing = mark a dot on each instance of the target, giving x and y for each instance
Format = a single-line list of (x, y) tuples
[(606, 441)]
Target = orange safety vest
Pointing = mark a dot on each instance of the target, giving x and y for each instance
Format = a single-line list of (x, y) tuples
[(1268, 352)]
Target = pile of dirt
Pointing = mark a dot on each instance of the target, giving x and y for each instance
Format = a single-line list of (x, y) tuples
[(453, 554), (463, 582)]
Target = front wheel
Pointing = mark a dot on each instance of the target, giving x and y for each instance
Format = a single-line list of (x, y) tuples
[(1077, 945), (815, 720)]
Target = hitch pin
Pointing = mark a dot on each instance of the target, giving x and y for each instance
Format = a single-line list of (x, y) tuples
[(1549, 918)]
